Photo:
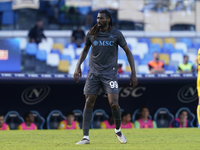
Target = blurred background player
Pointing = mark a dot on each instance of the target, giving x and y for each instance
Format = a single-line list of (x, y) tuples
[(126, 121), (3, 125), (103, 70), (155, 65), (108, 124), (198, 89), (36, 33), (78, 36), (28, 124), (69, 123), (182, 120), (186, 66), (144, 121)]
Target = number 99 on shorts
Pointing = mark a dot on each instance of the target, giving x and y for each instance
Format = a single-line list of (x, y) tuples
[(113, 84)]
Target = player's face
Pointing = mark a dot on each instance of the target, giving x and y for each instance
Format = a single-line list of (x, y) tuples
[(31, 118), (184, 116), (186, 59), (1, 121), (128, 118), (156, 56), (70, 119), (102, 21), (40, 24), (145, 113)]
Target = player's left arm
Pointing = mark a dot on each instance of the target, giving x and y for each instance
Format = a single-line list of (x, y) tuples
[(133, 79)]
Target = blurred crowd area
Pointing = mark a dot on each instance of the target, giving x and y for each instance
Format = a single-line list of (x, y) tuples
[(147, 15)]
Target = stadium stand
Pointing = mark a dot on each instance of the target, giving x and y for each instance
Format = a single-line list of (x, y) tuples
[(98, 116), (13, 119), (163, 118)]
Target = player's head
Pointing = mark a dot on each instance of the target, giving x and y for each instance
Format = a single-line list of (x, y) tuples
[(1, 120), (144, 111), (156, 56), (183, 115), (126, 116), (28, 117), (185, 59), (39, 23), (104, 19), (70, 117)]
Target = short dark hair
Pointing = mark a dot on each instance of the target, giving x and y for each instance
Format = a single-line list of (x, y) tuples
[(182, 112), (155, 52), (141, 109), (125, 113), (26, 115), (39, 19), (69, 113), (1, 115), (185, 56)]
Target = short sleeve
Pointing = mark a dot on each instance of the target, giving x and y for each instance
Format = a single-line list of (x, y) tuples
[(19, 127), (132, 125), (61, 125), (137, 125), (154, 125), (88, 42), (77, 125), (103, 125), (150, 67), (8, 128), (121, 40)]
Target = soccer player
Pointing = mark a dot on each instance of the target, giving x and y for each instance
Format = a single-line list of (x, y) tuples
[(126, 121), (103, 66), (69, 123), (3, 125), (198, 89), (28, 124), (144, 121)]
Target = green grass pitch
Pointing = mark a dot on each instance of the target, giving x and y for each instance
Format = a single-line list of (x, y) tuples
[(144, 139)]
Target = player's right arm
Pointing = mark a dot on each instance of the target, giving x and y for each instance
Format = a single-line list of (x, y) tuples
[(82, 58)]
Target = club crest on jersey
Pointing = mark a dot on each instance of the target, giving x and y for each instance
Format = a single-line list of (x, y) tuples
[(111, 36), (95, 43)]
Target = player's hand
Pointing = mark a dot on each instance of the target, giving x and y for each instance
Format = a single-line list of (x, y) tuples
[(77, 73), (133, 81)]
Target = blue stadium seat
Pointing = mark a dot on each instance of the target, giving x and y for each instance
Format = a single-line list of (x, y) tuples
[(136, 115), (191, 116), (43, 6), (178, 51), (154, 48), (144, 40), (31, 49), (171, 68), (41, 55), (56, 51), (72, 45), (39, 120), (13, 119), (9, 18), (78, 116), (54, 118), (6, 6), (98, 116), (187, 41), (163, 118), (168, 46), (61, 3), (66, 57), (84, 10), (50, 12), (62, 19), (136, 57), (196, 46), (82, 45)]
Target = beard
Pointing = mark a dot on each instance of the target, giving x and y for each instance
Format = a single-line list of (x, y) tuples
[(102, 25)]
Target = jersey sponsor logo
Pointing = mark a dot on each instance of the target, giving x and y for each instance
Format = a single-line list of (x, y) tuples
[(103, 43), (35, 94), (187, 94), (95, 43)]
